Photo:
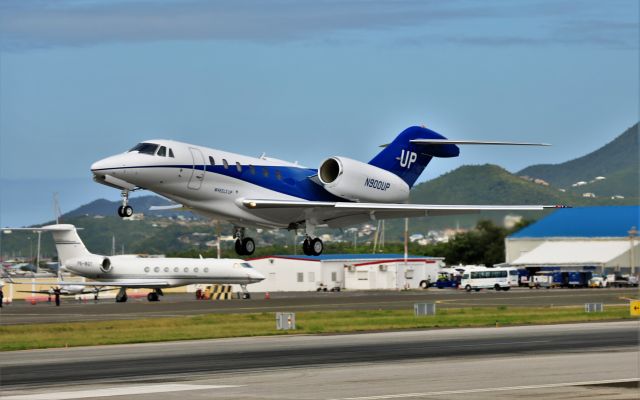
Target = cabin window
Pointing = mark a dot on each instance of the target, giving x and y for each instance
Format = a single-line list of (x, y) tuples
[(146, 269), (186, 269), (238, 167), (252, 169), (176, 269), (206, 269), (211, 161), (171, 154), (195, 270), (166, 269), (265, 172), (162, 152), (278, 175), (145, 148), (156, 269), (225, 163)]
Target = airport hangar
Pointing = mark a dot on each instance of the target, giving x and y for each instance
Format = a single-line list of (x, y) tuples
[(594, 238), (344, 271)]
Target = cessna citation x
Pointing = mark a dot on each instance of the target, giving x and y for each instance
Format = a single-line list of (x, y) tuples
[(271, 193), (133, 271)]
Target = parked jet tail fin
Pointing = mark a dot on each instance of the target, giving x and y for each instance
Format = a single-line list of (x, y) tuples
[(68, 243)]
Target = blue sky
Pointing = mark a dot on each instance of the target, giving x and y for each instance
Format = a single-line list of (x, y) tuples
[(303, 80)]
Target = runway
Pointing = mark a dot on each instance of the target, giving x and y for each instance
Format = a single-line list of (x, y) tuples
[(598, 359), (185, 304), (373, 364)]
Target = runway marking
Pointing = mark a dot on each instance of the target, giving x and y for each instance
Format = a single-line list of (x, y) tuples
[(116, 391), (485, 390)]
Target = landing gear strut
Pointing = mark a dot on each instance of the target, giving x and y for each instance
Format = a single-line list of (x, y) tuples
[(121, 297), (125, 210), (245, 246), (154, 296), (245, 293)]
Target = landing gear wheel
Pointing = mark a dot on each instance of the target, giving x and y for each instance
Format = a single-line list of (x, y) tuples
[(246, 296), (152, 296), (121, 211), (248, 246), (121, 297), (316, 247), (306, 247), (239, 247)]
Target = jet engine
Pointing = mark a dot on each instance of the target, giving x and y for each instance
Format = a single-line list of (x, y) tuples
[(92, 266), (358, 181)]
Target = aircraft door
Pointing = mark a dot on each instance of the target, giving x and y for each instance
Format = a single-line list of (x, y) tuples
[(197, 174)]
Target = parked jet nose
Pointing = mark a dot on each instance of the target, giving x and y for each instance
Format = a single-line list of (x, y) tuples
[(255, 276)]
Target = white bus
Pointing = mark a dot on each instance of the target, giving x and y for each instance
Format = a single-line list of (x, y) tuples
[(489, 278)]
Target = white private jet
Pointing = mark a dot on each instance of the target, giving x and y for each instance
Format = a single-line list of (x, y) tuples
[(133, 271), (271, 193)]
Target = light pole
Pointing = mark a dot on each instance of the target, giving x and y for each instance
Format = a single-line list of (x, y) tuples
[(632, 235)]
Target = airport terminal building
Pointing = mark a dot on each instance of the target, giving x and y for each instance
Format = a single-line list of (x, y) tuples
[(344, 271), (593, 238)]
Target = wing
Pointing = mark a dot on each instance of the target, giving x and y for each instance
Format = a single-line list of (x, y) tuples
[(338, 214), (130, 283)]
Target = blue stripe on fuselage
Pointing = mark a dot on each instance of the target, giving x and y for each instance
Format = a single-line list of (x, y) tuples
[(294, 181)]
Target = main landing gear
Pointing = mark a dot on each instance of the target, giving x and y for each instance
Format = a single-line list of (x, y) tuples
[(125, 210), (312, 247), (245, 246), (154, 296), (121, 297)]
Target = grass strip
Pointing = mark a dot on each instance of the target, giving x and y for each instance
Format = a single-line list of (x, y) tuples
[(36, 336)]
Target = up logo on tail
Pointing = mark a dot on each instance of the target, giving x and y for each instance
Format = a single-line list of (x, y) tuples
[(407, 158)]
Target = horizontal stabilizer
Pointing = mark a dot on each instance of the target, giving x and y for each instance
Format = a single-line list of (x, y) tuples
[(451, 141)]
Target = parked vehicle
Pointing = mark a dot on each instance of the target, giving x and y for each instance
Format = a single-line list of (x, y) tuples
[(598, 282), (489, 278)]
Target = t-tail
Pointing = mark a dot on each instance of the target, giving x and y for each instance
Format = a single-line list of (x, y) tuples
[(408, 159), (68, 243), (409, 154)]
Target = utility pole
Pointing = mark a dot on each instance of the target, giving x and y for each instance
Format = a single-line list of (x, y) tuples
[(632, 235), (38, 255), (406, 240)]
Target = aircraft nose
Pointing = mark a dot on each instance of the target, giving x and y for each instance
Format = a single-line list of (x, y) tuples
[(256, 276), (108, 163)]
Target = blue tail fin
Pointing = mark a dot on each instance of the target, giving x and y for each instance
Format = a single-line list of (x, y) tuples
[(408, 160)]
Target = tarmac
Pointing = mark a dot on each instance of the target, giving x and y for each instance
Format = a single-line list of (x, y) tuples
[(171, 305), (594, 360)]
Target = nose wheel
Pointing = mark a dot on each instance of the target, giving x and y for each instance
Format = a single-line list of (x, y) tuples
[(312, 247), (125, 210)]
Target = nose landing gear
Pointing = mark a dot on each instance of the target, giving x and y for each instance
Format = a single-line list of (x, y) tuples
[(125, 210)]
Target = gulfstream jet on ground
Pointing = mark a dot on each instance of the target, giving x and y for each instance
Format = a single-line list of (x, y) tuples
[(133, 271), (266, 192)]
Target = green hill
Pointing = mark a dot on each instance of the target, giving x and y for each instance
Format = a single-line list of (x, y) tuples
[(617, 161)]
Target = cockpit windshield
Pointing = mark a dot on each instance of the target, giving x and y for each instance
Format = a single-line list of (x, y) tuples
[(246, 265), (145, 148)]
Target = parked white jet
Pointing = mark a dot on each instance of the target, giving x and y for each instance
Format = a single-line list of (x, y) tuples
[(266, 192), (133, 271)]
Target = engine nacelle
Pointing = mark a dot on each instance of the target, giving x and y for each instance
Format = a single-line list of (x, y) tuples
[(358, 181), (90, 267)]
